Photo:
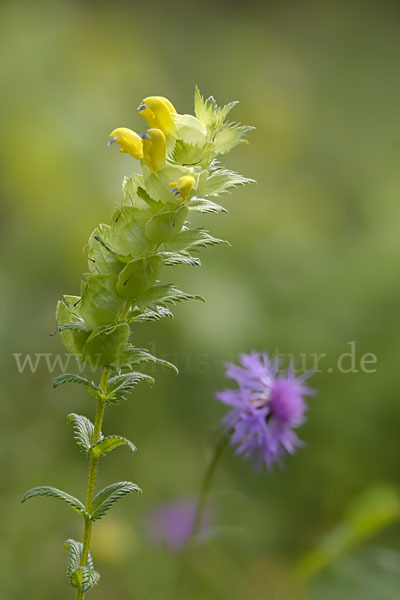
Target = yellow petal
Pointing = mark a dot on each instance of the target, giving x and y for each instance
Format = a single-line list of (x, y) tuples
[(183, 186), (130, 142), (154, 148), (157, 112)]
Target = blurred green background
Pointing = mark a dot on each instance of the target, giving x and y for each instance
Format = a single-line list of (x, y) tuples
[(314, 265)]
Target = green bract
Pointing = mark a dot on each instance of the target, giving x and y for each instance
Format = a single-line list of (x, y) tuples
[(180, 175)]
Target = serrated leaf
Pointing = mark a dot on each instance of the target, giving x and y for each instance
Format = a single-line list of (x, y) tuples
[(229, 136), (162, 294), (107, 444), (80, 576), (47, 490), (83, 430), (193, 240), (222, 181), (137, 356), (206, 206), (152, 315), (104, 500), (186, 154), (120, 386), (72, 378), (208, 112), (74, 556), (89, 578), (170, 259)]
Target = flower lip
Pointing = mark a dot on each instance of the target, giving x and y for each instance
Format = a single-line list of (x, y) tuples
[(111, 141)]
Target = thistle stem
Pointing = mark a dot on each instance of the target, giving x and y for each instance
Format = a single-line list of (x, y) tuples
[(93, 464)]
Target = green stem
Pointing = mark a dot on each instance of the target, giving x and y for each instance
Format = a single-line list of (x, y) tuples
[(93, 464), (201, 504), (206, 485)]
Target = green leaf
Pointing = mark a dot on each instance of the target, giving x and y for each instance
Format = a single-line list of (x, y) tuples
[(120, 386), (170, 259), (101, 305), (204, 205), (104, 500), (229, 136), (72, 378), (152, 315), (82, 577), (141, 192), (222, 181), (208, 112), (377, 508), (193, 240), (186, 154), (46, 490), (89, 578), (162, 294), (83, 430), (138, 356), (106, 444)]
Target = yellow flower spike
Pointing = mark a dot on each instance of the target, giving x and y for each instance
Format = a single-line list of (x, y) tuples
[(154, 148), (130, 142), (157, 112), (183, 186)]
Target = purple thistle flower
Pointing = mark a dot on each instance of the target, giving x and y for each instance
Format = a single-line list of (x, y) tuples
[(266, 407), (172, 523)]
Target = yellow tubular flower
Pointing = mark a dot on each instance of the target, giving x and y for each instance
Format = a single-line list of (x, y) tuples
[(130, 142), (183, 186), (154, 148), (157, 112)]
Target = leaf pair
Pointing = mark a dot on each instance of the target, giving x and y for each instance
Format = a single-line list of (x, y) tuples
[(102, 502), (83, 435)]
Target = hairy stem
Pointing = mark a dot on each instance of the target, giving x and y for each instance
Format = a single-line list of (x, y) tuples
[(93, 464)]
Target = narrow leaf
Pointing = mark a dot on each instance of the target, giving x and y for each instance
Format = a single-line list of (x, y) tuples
[(50, 491), (71, 378), (170, 259), (83, 430), (104, 500), (106, 444), (162, 294), (152, 315)]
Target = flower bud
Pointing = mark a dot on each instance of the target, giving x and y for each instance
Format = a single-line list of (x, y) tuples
[(183, 186)]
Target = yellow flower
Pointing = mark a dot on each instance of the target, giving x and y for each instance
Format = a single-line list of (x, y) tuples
[(183, 186), (154, 148), (157, 112), (130, 142)]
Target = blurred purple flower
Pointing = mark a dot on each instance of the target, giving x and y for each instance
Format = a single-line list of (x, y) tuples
[(266, 407), (171, 524)]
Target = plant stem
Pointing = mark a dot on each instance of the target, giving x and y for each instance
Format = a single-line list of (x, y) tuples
[(93, 464), (205, 488)]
